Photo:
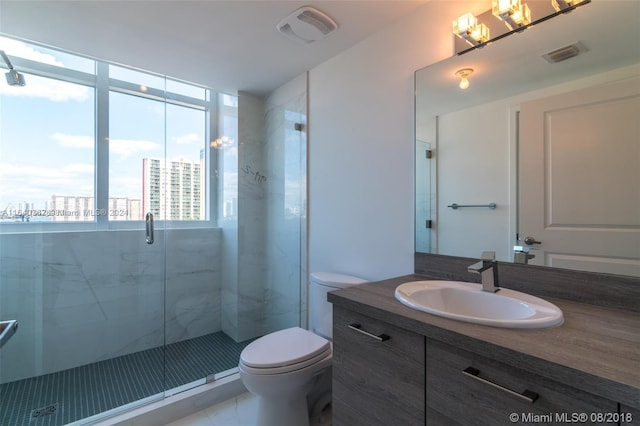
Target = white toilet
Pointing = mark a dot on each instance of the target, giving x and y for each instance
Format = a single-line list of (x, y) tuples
[(284, 368)]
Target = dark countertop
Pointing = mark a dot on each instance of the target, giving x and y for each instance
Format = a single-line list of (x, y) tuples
[(596, 349)]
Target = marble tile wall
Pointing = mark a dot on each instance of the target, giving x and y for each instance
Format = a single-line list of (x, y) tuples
[(193, 293), (81, 297), (263, 287), (244, 269)]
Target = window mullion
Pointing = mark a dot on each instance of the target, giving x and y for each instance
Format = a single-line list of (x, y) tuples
[(209, 195), (102, 146), (53, 71)]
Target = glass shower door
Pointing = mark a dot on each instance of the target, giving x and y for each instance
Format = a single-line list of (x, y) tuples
[(137, 202), (76, 270)]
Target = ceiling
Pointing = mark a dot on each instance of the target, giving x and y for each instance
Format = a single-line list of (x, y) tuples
[(607, 29), (227, 45)]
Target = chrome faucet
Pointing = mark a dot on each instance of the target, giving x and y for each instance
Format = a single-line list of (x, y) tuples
[(521, 254), (488, 270)]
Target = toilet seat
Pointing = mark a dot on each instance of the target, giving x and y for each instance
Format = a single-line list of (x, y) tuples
[(319, 360), (284, 351)]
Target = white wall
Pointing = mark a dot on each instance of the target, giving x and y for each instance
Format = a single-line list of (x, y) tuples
[(361, 147), (244, 232), (475, 157)]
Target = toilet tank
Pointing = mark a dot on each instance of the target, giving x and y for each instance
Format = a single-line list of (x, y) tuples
[(320, 284)]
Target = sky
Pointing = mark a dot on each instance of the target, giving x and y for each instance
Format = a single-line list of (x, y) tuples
[(47, 134)]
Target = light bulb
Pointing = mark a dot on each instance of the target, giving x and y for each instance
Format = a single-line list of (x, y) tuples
[(464, 77)]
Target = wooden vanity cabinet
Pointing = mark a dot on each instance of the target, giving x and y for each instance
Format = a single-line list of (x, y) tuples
[(468, 389), (386, 375), (629, 415), (378, 372)]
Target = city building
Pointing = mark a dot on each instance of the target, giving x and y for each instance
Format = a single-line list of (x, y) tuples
[(172, 189), (68, 208)]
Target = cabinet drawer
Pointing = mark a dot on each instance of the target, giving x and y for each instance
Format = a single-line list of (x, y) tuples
[(376, 381), (629, 415), (492, 393)]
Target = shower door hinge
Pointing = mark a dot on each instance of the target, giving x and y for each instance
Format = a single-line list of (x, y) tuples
[(429, 224), (429, 154), (299, 127)]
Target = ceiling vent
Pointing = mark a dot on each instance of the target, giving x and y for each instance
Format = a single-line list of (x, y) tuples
[(307, 25), (565, 53)]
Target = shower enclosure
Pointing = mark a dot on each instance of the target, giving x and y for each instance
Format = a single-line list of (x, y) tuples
[(424, 216), (149, 229)]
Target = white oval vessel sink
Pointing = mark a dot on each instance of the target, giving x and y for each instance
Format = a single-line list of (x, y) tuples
[(467, 302)]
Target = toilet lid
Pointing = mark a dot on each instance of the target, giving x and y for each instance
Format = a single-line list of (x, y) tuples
[(334, 280), (285, 347)]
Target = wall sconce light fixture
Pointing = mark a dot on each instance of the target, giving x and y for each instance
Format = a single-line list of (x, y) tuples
[(514, 14), (560, 5), (464, 77), (222, 142), (467, 27)]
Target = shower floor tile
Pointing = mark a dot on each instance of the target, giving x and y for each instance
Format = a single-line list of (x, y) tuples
[(70, 395)]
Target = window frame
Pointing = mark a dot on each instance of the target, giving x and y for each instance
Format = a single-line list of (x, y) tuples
[(102, 84)]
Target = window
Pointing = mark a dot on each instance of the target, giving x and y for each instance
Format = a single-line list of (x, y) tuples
[(47, 150), (136, 135), (86, 141)]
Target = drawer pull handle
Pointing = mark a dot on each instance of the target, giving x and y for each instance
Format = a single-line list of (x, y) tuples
[(527, 395), (358, 328)]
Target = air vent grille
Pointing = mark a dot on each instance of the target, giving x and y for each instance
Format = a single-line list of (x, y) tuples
[(307, 25), (564, 53), (322, 22)]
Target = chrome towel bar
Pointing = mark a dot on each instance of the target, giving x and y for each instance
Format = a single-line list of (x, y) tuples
[(457, 206)]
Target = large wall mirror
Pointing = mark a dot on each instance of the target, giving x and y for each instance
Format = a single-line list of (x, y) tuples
[(538, 161)]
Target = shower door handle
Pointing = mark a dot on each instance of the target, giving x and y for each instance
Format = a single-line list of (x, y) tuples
[(149, 228)]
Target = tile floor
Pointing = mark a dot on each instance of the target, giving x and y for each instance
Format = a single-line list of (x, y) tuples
[(81, 392), (240, 411)]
